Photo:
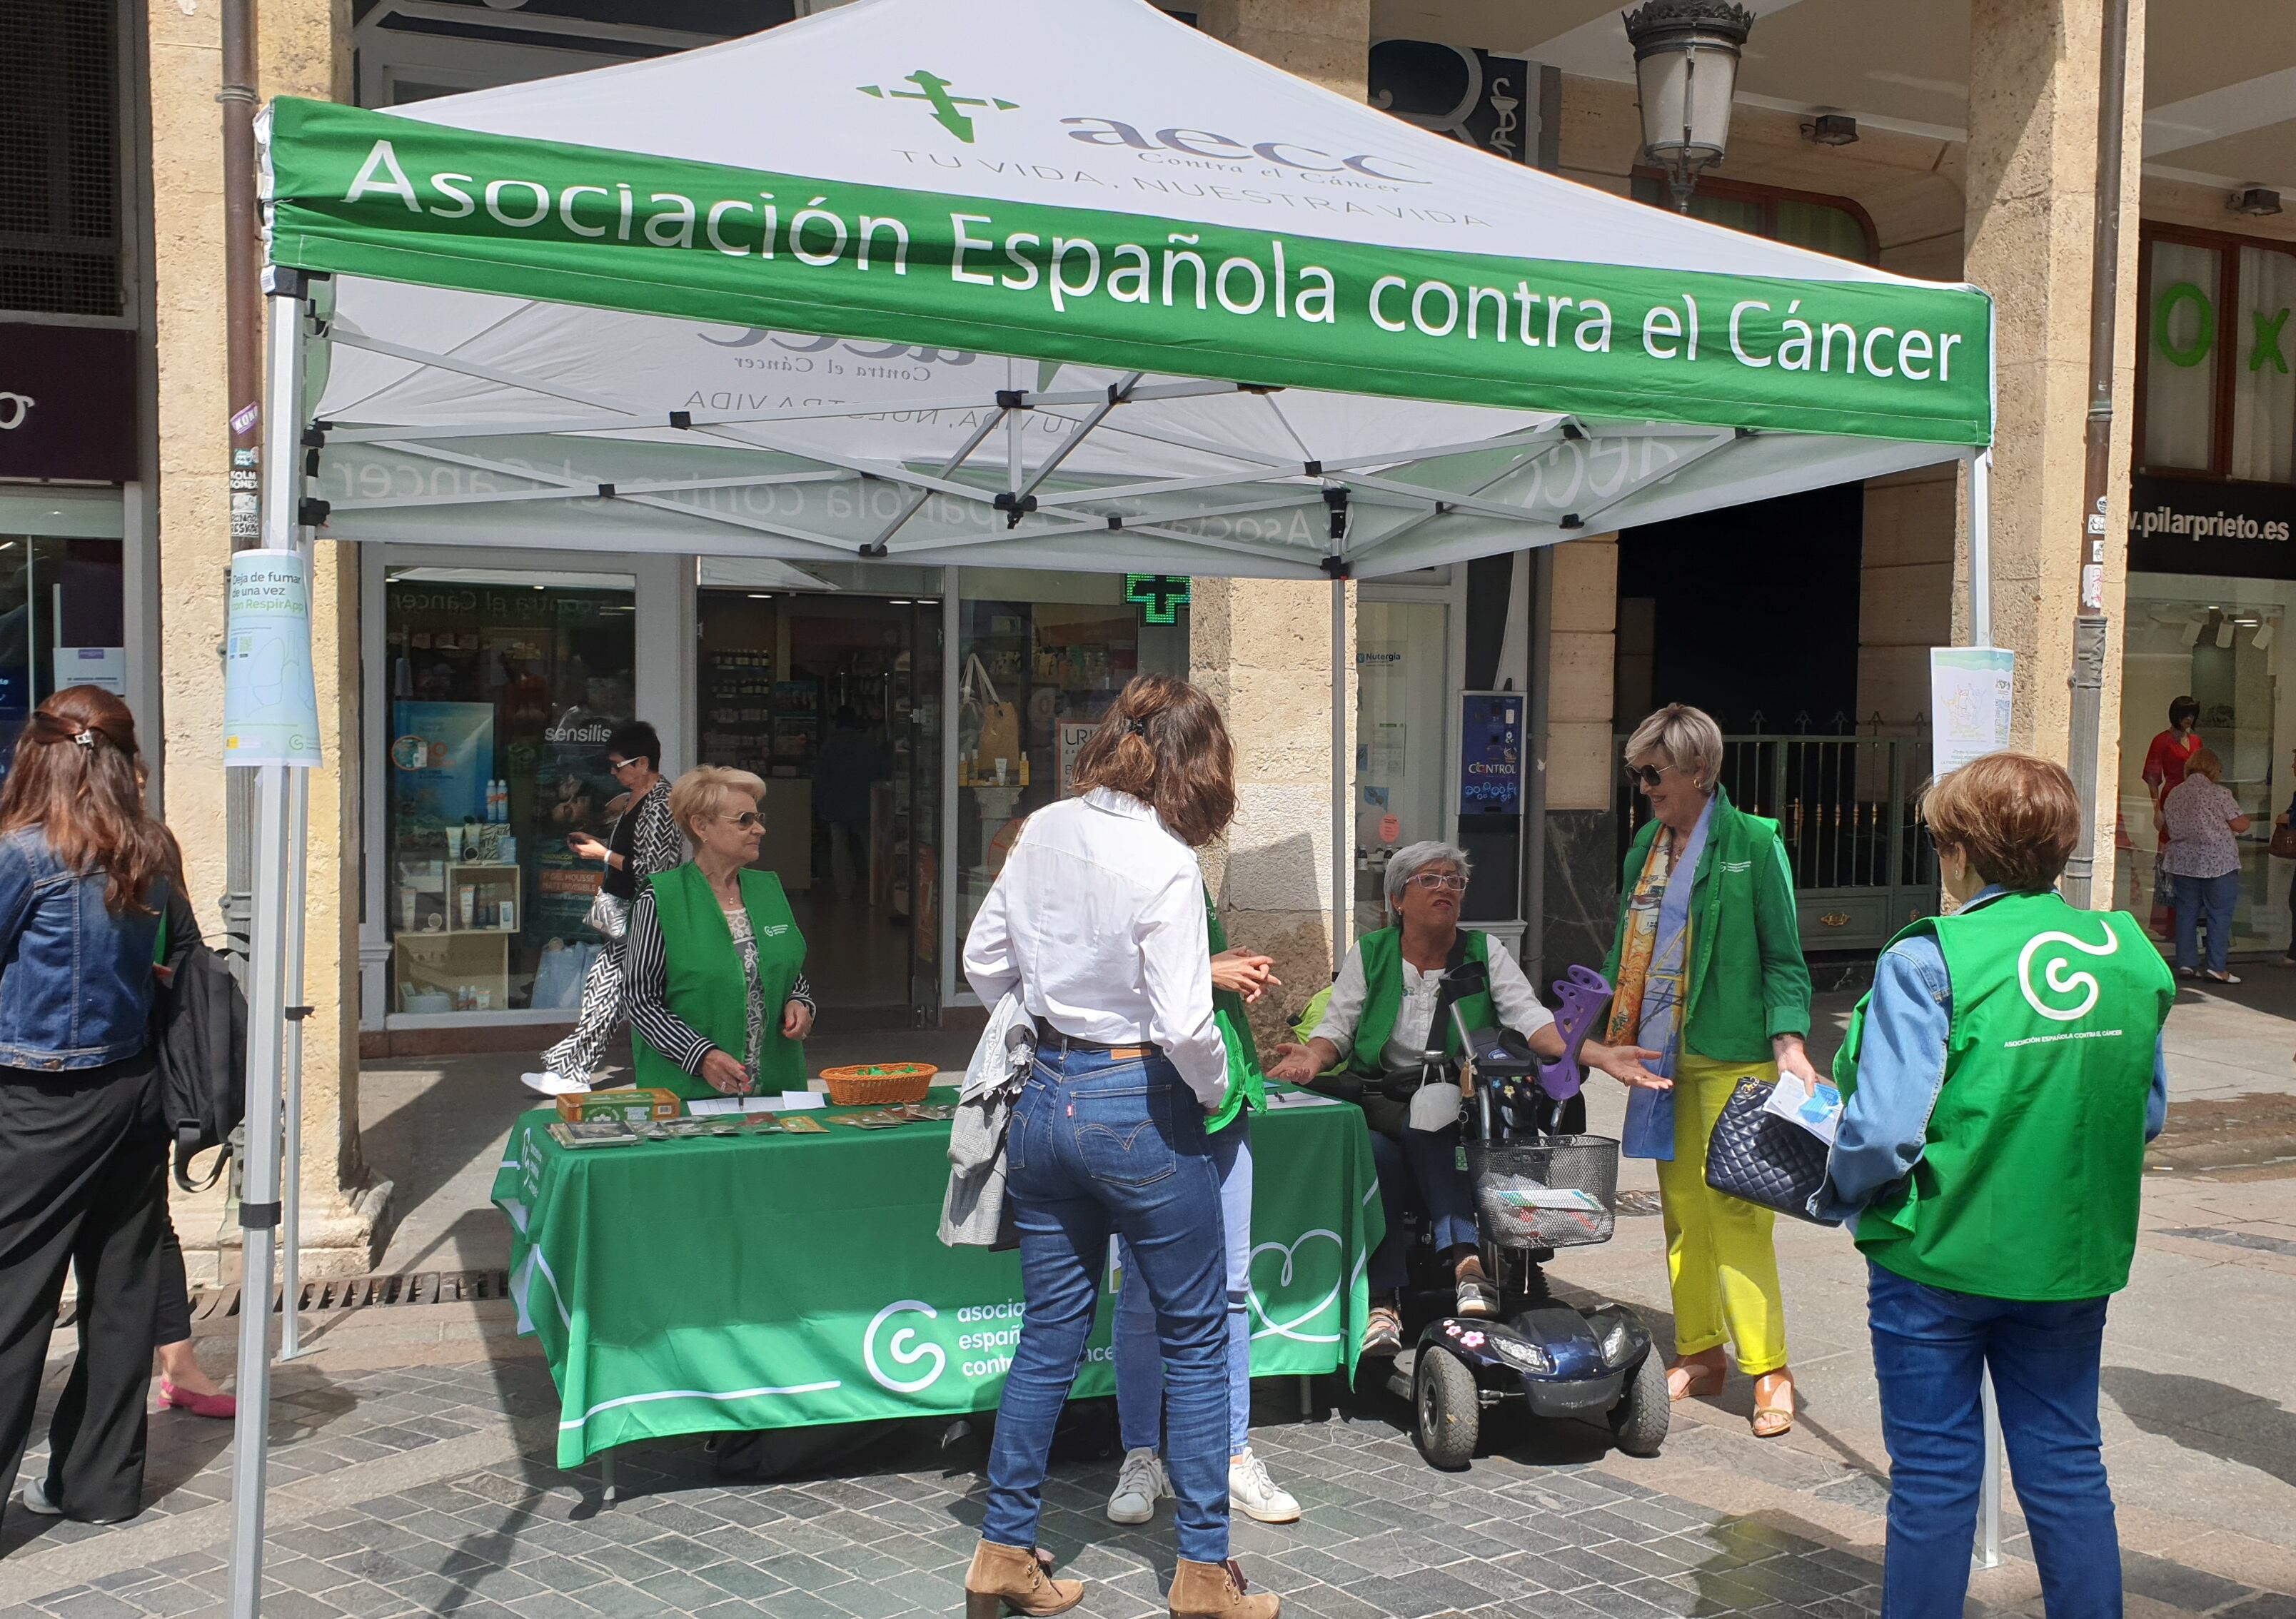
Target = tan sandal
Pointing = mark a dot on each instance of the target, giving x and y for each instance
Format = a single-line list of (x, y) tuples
[(1771, 1419), (1689, 1378)]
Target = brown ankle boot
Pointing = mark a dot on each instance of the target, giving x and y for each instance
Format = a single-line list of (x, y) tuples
[(1009, 1579), (1216, 1591)]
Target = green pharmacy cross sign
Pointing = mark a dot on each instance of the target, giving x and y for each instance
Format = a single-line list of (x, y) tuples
[(947, 111), (1159, 596)]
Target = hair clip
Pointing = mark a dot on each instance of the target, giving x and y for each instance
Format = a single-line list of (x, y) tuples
[(85, 739), (1138, 728)]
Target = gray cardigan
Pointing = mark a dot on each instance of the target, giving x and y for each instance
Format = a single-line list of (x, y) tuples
[(972, 1213)]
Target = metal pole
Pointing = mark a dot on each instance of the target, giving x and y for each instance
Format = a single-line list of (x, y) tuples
[(242, 261), (1343, 843), (2085, 746), (258, 1210), (1980, 549), (1988, 1501), (276, 890), (1534, 799), (290, 1214)]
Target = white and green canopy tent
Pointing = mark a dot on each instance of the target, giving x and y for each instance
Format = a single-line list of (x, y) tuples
[(1041, 283)]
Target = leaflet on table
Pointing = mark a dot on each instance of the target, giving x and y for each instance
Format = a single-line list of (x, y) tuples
[(707, 1105), (1301, 1098), (1816, 1108)]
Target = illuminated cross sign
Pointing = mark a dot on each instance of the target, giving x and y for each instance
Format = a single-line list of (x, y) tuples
[(1160, 596), (948, 109)]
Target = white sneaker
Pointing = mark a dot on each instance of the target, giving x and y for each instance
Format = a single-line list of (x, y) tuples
[(1138, 1482), (1250, 1492), (553, 1085), (36, 1499)]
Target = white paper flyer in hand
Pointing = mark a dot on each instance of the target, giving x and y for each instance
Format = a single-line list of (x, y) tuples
[(1816, 1108)]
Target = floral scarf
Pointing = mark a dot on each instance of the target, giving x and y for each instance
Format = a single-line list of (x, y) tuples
[(1653, 978)]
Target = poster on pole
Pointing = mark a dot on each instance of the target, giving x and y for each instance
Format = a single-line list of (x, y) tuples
[(270, 703), (1969, 704)]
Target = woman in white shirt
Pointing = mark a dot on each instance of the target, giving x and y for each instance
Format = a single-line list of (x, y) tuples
[(1380, 1018), (1097, 924)]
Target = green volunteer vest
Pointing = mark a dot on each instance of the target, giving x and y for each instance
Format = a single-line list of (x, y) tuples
[(2028, 1185), (1383, 964), (1247, 1086), (705, 987)]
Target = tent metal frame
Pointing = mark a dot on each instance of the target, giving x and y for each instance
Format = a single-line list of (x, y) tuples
[(291, 520)]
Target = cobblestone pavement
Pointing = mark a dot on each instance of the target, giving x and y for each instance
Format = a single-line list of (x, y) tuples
[(423, 1490)]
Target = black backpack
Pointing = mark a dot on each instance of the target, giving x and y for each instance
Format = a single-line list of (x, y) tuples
[(200, 1029)]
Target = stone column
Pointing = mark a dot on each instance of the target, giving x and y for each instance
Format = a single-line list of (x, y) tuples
[(1262, 648), (303, 51), (1581, 765), (2034, 68)]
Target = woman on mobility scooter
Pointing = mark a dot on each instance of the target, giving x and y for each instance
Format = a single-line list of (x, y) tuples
[(1387, 1009)]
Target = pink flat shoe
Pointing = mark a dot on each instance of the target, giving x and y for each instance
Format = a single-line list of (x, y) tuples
[(223, 1408)]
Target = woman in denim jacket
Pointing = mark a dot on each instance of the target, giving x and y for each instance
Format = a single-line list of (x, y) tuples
[(85, 871)]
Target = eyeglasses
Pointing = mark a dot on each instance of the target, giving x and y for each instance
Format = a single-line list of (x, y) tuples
[(1450, 882), (747, 819), (1648, 777)]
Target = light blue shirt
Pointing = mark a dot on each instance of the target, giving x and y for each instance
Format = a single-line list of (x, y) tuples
[(1900, 1069)]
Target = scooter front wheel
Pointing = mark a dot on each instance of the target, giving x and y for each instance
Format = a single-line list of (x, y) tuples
[(1449, 1414), (1639, 1420)]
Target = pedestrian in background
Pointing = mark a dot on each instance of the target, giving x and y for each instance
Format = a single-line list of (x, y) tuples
[(85, 871), (2000, 1081), (1097, 924), (2203, 821), (2287, 818), (2165, 761), (644, 840)]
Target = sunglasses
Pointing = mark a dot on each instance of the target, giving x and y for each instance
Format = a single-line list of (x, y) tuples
[(1449, 881), (1649, 777), (620, 766), (747, 819)]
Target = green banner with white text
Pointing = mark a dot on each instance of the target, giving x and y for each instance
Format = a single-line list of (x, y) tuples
[(367, 193), (765, 1281)]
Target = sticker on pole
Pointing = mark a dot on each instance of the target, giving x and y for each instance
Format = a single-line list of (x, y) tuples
[(270, 703)]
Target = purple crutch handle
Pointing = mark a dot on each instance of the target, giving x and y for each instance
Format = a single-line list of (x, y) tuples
[(1583, 994)]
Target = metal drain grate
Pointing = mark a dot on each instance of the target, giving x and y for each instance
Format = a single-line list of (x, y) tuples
[(345, 1293)]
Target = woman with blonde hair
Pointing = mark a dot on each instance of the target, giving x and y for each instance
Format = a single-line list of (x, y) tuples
[(1708, 972), (86, 871), (1097, 924), (718, 999)]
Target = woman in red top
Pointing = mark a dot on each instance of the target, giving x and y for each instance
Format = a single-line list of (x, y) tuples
[(2164, 762)]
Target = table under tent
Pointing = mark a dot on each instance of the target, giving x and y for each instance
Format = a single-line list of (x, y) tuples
[(1048, 284)]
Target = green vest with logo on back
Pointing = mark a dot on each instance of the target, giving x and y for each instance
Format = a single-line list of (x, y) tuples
[(2034, 1160)]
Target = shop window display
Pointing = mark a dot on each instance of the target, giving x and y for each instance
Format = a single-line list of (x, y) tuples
[(1041, 656), (60, 623), (2225, 643), (503, 691)]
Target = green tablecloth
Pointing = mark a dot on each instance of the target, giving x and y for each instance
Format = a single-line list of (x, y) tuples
[(773, 1281)]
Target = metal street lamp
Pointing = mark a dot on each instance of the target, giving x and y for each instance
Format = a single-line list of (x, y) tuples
[(1685, 71)]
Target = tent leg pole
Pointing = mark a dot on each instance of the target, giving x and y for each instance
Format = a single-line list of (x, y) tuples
[(259, 1205), (277, 882), (1980, 549), (290, 1202), (1343, 865)]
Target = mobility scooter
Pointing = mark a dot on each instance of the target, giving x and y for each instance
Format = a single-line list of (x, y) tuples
[(1536, 1189)]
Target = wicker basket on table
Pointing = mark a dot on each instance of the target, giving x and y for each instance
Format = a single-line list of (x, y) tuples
[(878, 1085)]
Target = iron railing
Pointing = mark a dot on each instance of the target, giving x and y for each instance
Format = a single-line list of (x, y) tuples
[(1846, 807)]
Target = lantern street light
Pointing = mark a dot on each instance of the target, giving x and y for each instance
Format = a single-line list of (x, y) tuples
[(1685, 73)]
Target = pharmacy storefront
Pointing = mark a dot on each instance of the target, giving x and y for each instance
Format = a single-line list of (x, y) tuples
[(2211, 565)]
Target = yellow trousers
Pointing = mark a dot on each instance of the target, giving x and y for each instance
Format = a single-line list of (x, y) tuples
[(1719, 1257)]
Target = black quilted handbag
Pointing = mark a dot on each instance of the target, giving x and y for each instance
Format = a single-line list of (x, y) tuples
[(1761, 1159)]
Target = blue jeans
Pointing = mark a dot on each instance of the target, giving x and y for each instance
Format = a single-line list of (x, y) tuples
[(2209, 897), (1139, 1360), (1097, 1149), (1429, 1161), (1930, 1347)]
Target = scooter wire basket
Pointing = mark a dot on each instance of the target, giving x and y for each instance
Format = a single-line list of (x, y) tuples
[(1557, 1192)]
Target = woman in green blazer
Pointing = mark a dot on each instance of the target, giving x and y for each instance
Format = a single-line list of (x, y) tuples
[(718, 999), (1710, 973)]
